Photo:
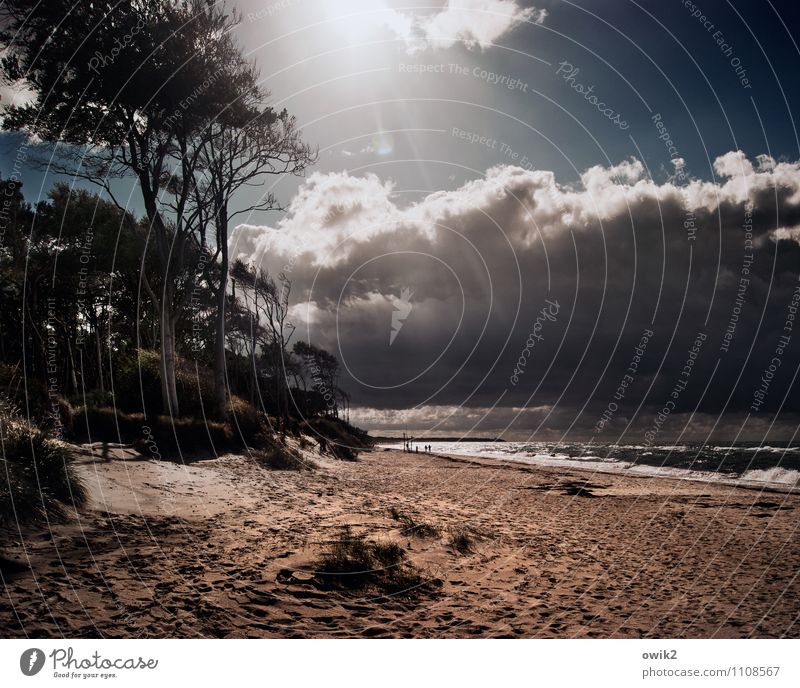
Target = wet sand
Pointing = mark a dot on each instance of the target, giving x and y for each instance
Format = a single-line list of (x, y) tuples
[(224, 548)]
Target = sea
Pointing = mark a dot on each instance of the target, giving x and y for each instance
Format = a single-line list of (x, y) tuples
[(775, 466)]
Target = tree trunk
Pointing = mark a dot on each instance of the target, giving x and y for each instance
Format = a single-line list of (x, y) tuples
[(220, 388), (169, 390), (167, 318), (253, 344), (72, 375), (99, 354)]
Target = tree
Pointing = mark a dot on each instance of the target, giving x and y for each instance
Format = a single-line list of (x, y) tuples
[(248, 141), (88, 250), (322, 368), (146, 93), (16, 218), (271, 331)]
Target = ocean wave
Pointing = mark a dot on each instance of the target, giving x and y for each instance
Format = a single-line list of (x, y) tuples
[(775, 475), (542, 454), (771, 450)]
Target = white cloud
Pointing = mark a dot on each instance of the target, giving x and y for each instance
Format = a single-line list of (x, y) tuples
[(733, 164), (14, 94), (786, 234), (333, 213), (329, 212), (476, 23)]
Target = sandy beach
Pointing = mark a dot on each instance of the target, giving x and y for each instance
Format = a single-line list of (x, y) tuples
[(223, 548)]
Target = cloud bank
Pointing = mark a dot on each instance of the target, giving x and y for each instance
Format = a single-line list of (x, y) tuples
[(710, 261)]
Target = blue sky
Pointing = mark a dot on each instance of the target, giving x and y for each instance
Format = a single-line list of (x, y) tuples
[(335, 67)]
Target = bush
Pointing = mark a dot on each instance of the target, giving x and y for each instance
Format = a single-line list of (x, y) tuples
[(159, 436), (137, 386), (342, 439), (343, 453), (186, 434), (93, 398), (137, 383), (37, 479), (280, 458), (355, 562), (102, 425), (245, 419)]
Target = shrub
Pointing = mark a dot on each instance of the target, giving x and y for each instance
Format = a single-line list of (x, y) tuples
[(355, 562), (189, 434), (342, 439), (137, 386), (245, 419), (94, 397), (29, 394), (195, 386), (279, 458), (156, 436), (137, 383), (37, 479), (104, 425), (343, 453), (67, 415)]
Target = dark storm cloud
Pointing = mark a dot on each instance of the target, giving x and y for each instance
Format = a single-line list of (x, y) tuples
[(620, 254)]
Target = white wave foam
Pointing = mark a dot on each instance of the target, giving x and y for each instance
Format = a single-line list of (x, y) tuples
[(768, 449), (775, 475)]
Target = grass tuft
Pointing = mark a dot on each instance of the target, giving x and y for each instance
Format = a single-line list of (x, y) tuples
[(414, 528), (462, 540), (353, 562), (37, 479)]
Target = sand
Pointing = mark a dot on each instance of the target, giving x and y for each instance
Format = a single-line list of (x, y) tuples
[(223, 548)]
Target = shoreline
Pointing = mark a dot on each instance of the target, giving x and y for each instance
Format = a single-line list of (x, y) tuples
[(629, 470), (223, 548)]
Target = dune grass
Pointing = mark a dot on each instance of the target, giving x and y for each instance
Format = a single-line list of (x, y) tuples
[(354, 562), (412, 527), (462, 540), (38, 482)]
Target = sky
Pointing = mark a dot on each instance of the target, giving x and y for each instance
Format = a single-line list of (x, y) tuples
[(554, 220)]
